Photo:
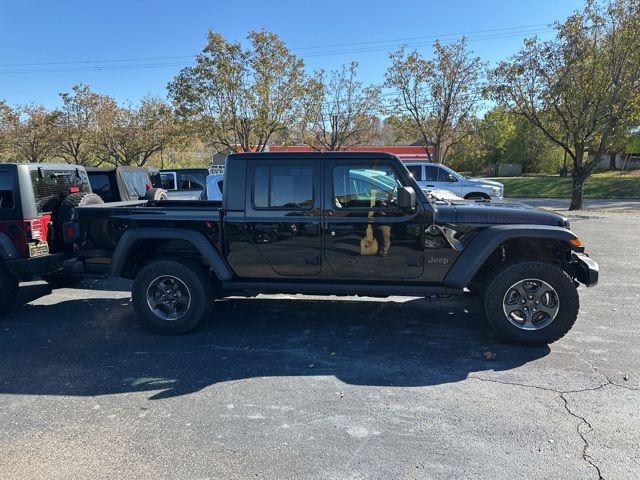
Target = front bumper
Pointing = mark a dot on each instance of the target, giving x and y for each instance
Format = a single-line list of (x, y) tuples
[(586, 270), (25, 269)]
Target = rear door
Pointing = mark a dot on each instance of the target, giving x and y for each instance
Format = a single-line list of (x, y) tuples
[(416, 171), (367, 236), (282, 218)]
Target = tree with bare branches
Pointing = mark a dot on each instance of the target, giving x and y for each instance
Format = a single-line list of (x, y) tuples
[(435, 99), (340, 111)]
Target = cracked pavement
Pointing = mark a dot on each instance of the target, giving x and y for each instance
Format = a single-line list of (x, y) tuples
[(313, 387)]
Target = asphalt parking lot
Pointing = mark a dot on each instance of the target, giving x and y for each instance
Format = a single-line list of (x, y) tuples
[(297, 388)]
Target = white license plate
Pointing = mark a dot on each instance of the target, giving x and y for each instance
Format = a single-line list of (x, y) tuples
[(38, 249)]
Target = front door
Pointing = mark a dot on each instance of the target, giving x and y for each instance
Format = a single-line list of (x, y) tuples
[(282, 217), (367, 236), (437, 178)]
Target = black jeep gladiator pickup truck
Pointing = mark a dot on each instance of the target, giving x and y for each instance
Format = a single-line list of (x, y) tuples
[(341, 224)]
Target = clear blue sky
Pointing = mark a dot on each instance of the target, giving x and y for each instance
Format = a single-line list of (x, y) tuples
[(46, 47)]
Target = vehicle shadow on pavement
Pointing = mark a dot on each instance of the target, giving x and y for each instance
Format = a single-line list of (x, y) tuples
[(93, 346)]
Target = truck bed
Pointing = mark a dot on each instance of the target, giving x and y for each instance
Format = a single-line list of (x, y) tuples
[(148, 209)]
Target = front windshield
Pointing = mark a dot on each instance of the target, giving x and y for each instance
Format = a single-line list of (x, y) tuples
[(455, 174)]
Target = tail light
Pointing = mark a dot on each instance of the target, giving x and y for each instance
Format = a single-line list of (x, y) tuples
[(70, 231), (34, 229)]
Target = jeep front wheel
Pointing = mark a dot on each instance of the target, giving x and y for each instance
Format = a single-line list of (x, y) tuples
[(171, 297), (531, 303)]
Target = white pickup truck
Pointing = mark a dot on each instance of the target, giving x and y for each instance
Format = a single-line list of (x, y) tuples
[(437, 177)]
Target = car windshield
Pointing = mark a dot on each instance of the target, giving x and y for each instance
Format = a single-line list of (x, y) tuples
[(457, 175)]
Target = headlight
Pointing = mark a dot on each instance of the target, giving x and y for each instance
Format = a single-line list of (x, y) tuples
[(496, 192)]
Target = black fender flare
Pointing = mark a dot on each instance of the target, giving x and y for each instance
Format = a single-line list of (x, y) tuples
[(488, 240), (8, 250), (133, 237)]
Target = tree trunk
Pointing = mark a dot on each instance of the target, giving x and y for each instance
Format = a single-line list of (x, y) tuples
[(612, 161), (577, 190)]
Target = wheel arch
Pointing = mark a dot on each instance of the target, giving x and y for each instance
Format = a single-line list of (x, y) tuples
[(491, 245), (482, 195), (135, 243)]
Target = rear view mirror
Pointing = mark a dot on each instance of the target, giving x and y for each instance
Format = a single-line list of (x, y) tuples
[(406, 197)]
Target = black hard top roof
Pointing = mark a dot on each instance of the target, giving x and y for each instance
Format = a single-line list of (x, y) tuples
[(327, 155)]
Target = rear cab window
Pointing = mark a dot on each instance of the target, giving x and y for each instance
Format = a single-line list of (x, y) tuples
[(51, 186), (7, 201), (101, 185), (168, 181), (192, 180)]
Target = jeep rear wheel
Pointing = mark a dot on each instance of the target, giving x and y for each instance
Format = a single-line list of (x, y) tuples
[(8, 290), (171, 297), (531, 303)]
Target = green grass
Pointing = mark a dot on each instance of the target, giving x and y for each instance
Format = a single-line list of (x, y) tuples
[(599, 185)]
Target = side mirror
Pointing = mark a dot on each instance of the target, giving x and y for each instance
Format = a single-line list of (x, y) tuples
[(451, 178), (406, 197)]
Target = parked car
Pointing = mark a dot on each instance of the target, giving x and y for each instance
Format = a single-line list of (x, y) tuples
[(312, 223), (35, 202), (184, 183), (126, 183), (435, 177), (215, 182)]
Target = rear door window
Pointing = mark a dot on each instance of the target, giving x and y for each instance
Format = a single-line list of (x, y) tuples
[(415, 171), (283, 186), (6, 191)]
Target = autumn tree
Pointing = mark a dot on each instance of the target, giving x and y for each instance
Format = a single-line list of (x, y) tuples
[(30, 133), (435, 98), (340, 111), (6, 120), (78, 125), (132, 135), (237, 98), (581, 87)]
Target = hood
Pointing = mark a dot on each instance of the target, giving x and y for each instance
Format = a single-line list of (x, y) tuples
[(485, 181), (506, 213)]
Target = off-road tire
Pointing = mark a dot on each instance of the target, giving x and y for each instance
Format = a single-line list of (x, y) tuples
[(506, 275), (196, 278), (156, 194), (65, 211), (8, 290)]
